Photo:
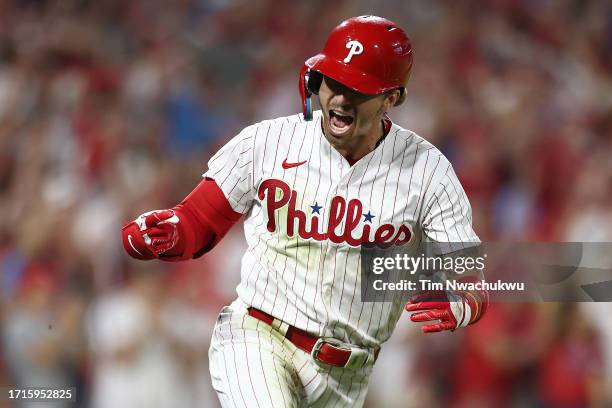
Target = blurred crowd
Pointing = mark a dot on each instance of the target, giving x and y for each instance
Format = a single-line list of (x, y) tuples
[(109, 108)]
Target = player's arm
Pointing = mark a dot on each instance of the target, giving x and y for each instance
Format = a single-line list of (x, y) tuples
[(200, 221), (447, 222), (185, 231)]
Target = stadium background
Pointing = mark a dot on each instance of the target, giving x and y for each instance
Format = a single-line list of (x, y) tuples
[(109, 108)]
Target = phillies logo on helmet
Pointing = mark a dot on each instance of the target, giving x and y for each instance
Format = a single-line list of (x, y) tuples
[(342, 215), (355, 48)]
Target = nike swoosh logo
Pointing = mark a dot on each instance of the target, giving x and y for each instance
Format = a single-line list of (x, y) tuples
[(290, 165), (132, 245)]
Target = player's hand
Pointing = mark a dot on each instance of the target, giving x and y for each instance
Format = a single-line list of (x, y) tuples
[(151, 234), (448, 310)]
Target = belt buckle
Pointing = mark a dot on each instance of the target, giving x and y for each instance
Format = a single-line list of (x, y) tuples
[(359, 357), (325, 340)]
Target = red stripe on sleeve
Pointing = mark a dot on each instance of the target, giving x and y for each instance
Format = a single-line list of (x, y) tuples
[(205, 217)]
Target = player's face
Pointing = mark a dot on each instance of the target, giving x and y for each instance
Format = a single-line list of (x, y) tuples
[(352, 119)]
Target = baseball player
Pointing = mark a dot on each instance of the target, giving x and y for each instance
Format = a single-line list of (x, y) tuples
[(315, 189)]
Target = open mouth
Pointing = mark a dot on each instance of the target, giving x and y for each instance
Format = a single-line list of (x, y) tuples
[(340, 122)]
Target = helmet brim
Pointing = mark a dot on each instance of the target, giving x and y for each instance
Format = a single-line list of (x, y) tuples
[(347, 75)]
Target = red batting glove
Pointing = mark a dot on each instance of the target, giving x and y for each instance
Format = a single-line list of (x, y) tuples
[(151, 234), (450, 310)]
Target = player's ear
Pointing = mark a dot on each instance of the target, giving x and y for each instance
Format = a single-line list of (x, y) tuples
[(402, 97), (393, 98)]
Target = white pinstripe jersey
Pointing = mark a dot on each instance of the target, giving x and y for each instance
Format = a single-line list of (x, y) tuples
[(307, 211)]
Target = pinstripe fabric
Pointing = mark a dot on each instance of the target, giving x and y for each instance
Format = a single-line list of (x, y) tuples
[(252, 365), (314, 284)]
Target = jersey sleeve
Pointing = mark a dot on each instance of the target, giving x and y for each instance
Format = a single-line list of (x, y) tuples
[(232, 169), (448, 214)]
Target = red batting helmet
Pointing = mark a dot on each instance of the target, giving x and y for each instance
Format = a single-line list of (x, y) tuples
[(369, 54)]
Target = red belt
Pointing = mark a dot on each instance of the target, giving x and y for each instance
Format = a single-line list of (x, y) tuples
[(326, 350)]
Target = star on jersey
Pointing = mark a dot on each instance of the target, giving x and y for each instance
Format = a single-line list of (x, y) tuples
[(316, 208), (368, 217)]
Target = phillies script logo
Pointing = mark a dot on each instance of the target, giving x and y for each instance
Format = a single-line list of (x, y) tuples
[(340, 211)]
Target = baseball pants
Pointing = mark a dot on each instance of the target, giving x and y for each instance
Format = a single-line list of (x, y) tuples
[(254, 365)]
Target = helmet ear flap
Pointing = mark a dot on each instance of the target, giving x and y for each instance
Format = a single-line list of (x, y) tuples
[(305, 93), (313, 81), (309, 84)]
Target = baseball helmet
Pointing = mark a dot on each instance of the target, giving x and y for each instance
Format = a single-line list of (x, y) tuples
[(369, 54)]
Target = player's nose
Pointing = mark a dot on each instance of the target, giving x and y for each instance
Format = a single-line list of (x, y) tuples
[(341, 100)]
